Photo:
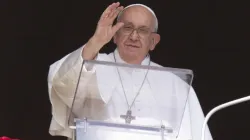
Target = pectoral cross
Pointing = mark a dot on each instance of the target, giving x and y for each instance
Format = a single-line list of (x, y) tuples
[(128, 117)]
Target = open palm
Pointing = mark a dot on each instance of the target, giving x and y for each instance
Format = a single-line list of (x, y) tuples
[(105, 29)]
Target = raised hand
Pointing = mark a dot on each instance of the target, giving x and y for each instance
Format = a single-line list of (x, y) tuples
[(105, 29)]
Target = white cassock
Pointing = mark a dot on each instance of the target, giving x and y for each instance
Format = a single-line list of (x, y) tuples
[(109, 102)]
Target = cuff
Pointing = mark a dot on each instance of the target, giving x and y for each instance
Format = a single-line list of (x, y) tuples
[(86, 66)]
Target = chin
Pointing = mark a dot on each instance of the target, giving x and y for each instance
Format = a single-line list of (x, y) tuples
[(131, 55), (130, 52)]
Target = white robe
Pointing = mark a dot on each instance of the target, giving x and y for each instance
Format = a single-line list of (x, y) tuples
[(62, 80)]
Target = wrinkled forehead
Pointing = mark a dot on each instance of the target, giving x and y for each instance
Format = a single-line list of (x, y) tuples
[(138, 16)]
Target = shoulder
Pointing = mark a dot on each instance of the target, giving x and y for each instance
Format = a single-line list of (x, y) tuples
[(180, 76), (155, 64)]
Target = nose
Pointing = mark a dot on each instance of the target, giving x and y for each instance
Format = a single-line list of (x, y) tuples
[(134, 35)]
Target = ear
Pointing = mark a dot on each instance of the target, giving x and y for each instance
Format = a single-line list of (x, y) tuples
[(155, 40)]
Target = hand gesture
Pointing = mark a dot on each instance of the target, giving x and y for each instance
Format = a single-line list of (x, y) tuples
[(105, 29)]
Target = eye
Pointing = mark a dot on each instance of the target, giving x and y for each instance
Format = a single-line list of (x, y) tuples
[(142, 30), (128, 27)]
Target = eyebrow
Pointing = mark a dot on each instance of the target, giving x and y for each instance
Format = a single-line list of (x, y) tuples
[(130, 23)]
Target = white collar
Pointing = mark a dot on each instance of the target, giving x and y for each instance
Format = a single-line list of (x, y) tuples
[(120, 60)]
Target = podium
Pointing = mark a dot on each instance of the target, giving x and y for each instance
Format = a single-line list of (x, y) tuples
[(117, 101)]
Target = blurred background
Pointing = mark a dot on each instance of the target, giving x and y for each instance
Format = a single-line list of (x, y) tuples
[(211, 37)]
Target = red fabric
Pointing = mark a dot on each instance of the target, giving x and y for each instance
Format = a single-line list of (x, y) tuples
[(7, 138)]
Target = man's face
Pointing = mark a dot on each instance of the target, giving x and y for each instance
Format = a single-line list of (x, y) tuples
[(136, 37)]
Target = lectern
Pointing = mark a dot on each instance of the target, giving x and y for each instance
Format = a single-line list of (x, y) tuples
[(118, 101)]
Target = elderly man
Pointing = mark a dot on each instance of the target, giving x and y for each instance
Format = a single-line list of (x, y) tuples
[(135, 34)]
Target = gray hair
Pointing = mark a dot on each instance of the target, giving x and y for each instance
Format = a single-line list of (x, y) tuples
[(149, 9)]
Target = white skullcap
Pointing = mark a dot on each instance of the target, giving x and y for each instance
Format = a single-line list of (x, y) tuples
[(149, 9)]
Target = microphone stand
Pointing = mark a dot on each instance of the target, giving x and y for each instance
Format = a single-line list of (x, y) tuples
[(222, 106)]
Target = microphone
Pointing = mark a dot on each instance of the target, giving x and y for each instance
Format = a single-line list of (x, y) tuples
[(222, 106)]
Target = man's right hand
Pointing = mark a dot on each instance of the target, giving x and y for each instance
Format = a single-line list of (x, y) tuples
[(104, 31)]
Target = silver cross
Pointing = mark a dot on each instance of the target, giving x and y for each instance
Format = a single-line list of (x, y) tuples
[(128, 117)]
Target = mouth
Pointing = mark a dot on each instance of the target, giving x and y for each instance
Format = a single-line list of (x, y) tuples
[(133, 46)]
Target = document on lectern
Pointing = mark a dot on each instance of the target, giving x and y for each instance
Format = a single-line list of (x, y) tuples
[(117, 101)]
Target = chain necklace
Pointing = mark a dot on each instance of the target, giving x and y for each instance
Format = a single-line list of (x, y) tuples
[(128, 117)]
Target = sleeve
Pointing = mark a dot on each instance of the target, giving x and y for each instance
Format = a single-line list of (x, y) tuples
[(62, 80), (197, 117)]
